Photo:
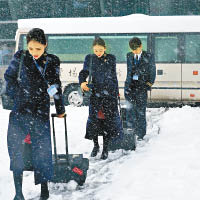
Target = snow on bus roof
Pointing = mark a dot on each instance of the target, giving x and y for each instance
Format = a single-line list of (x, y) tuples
[(135, 23)]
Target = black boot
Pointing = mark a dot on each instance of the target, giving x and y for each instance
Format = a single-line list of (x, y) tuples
[(18, 186), (104, 154), (95, 150), (44, 191)]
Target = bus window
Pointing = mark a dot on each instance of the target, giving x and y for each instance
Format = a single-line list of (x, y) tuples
[(166, 49), (75, 48), (192, 48), (118, 45), (70, 48), (6, 54), (24, 42)]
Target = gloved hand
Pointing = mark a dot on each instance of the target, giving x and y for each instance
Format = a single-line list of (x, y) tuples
[(149, 84), (61, 115), (84, 87)]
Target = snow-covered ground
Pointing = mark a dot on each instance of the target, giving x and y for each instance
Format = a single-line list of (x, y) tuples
[(166, 167)]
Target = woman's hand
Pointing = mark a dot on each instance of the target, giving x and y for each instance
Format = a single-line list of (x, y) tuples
[(61, 115), (84, 87)]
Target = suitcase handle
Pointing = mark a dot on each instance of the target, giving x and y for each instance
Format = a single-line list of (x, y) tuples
[(120, 110), (56, 115), (54, 137)]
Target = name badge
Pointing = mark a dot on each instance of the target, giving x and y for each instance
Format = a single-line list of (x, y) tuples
[(52, 90), (135, 77)]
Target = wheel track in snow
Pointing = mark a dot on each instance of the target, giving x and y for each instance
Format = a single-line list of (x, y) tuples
[(100, 171), (154, 117)]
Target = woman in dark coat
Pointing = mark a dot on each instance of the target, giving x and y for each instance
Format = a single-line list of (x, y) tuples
[(30, 114), (104, 116)]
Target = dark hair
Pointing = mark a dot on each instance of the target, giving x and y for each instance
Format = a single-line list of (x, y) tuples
[(134, 43), (99, 41), (36, 34)]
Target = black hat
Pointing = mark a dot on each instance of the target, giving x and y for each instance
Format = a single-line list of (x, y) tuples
[(135, 43)]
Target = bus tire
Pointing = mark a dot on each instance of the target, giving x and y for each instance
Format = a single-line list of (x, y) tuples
[(71, 96)]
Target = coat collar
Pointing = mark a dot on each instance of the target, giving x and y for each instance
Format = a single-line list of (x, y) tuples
[(41, 61), (142, 60), (103, 58)]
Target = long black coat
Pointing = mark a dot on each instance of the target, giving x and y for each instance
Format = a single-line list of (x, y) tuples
[(31, 110), (136, 90), (104, 96)]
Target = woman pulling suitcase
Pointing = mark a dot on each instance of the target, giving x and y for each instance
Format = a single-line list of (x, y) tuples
[(104, 116), (30, 114)]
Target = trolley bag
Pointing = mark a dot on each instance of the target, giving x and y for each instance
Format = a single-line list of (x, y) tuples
[(128, 140), (68, 166)]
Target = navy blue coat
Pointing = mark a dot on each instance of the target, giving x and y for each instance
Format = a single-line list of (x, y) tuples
[(31, 110), (136, 90), (146, 71), (104, 96)]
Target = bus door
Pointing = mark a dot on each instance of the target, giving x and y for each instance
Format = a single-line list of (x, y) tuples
[(167, 86), (191, 68)]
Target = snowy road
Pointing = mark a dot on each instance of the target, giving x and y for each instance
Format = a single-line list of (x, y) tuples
[(166, 167)]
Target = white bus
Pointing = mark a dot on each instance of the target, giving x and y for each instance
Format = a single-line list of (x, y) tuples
[(174, 41)]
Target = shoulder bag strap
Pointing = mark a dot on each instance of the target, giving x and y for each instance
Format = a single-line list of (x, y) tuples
[(20, 66), (42, 72), (90, 69)]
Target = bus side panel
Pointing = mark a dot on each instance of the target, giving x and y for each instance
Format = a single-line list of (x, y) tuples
[(69, 72), (168, 83), (191, 82), (121, 75)]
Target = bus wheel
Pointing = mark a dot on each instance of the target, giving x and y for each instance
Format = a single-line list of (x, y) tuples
[(72, 97)]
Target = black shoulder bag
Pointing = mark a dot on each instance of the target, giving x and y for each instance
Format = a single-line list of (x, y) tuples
[(7, 101)]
